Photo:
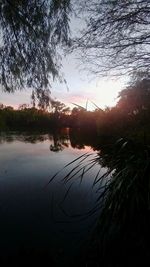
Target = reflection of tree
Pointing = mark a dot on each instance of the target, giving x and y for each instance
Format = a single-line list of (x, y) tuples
[(56, 147), (34, 138), (8, 138), (60, 141), (80, 138), (59, 138)]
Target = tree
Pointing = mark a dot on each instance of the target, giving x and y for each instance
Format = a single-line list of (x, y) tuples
[(116, 36), (66, 110), (23, 106), (31, 32), (136, 97), (115, 39), (1, 106), (57, 106)]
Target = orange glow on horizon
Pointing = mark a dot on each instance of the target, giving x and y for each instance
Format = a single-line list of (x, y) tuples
[(103, 94)]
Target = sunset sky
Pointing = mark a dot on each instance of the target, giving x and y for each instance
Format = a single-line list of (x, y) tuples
[(82, 86), (103, 92)]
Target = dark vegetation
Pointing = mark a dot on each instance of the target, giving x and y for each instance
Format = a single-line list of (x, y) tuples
[(121, 236), (115, 40), (129, 118)]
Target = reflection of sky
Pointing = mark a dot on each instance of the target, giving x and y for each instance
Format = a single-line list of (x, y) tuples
[(81, 87), (31, 212)]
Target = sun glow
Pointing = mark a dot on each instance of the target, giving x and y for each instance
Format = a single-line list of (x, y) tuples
[(91, 95), (106, 93)]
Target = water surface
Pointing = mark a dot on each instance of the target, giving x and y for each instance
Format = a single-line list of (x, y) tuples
[(37, 215)]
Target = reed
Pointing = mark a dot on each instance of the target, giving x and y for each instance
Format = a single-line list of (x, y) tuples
[(123, 203)]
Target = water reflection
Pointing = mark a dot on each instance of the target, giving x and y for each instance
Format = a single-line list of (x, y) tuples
[(54, 219), (35, 214), (59, 139)]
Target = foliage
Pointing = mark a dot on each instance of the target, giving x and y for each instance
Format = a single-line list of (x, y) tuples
[(115, 38), (57, 106), (131, 112), (30, 118), (31, 32), (122, 231), (121, 234), (136, 97)]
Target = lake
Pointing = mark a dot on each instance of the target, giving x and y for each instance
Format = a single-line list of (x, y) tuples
[(42, 219)]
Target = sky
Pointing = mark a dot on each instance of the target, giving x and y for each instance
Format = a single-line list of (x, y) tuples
[(82, 87)]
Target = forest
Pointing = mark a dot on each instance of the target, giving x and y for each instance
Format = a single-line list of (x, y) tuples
[(132, 111)]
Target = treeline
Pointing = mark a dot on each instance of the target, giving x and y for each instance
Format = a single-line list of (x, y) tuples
[(33, 118), (30, 119), (130, 116)]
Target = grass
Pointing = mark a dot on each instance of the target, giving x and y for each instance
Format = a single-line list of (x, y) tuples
[(121, 235)]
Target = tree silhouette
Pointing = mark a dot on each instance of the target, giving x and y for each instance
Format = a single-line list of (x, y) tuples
[(116, 36), (31, 32), (136, 97)]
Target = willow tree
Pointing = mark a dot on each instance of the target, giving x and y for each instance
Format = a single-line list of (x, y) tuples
[(114, 37), (31, 34)]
